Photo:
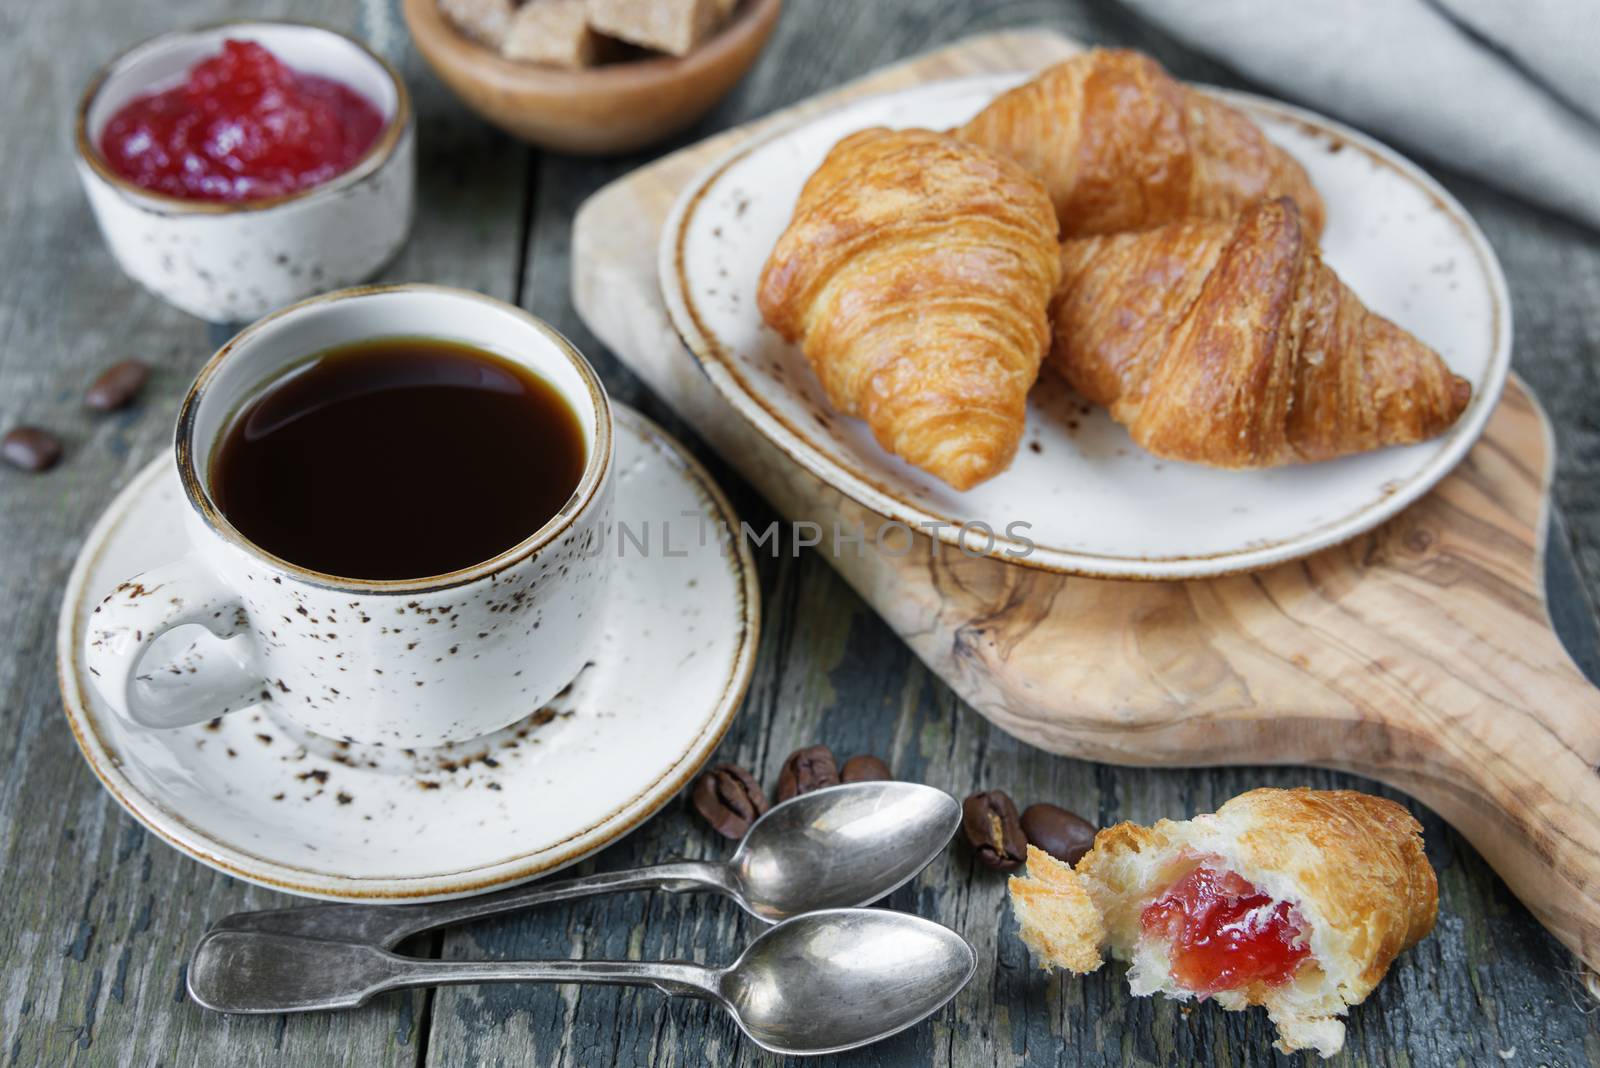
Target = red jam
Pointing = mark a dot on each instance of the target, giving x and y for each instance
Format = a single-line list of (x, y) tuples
[(1225, 933), (242, 127)]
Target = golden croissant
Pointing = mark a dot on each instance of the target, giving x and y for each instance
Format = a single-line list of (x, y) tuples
[(917, 273), (1121, 145), (1232, 344), (1298, 900)]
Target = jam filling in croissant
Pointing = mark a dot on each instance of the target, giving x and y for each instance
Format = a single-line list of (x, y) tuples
[(1224, 933), (1294, 900)]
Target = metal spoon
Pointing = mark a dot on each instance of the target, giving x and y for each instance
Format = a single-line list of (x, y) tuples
[(819, 983), (834, 848)]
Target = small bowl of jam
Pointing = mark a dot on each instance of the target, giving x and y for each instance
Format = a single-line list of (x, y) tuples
[(237, 168)]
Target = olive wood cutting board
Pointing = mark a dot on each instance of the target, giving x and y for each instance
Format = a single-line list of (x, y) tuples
[(1420, 654)]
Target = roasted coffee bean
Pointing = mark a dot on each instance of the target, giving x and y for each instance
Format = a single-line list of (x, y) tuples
[(989, 822), (117, 385), (864, 768), (730, 799), (30, 448), (1064, 835), (807, 769)]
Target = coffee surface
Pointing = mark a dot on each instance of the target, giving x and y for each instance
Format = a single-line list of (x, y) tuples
[(398, 458)]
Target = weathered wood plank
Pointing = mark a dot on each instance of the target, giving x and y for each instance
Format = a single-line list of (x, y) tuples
[(1490, 980), (831, 671), (98, 918)]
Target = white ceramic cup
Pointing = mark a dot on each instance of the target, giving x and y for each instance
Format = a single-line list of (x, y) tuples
[(231, 262), (412, 663)]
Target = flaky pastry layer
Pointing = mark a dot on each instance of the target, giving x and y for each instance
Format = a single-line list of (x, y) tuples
[(1351, 865)]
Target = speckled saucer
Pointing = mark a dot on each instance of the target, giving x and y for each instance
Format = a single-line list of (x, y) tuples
[(261, 799)]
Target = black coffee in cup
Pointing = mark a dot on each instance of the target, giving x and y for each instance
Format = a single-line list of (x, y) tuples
[(398, 458)]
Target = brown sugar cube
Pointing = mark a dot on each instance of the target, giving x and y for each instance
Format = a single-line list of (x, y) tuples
[(673, 26), (555, 33), (483, 20)]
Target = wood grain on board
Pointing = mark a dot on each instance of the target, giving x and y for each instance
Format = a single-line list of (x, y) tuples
[(1421, 654), (98, 916)]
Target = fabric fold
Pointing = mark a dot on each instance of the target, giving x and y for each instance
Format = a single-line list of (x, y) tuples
[(1506, 93)]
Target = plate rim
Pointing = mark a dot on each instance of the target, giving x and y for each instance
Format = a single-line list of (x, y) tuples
[(719, 368), (106, 763)]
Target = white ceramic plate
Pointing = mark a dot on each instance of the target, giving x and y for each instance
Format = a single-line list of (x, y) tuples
[(1095, 503), (268, 803)]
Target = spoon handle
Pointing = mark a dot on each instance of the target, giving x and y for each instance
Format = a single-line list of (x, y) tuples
[(387, 925), (668, 976), (255, 972)]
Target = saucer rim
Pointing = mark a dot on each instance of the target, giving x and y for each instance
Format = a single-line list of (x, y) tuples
[(106, 763)]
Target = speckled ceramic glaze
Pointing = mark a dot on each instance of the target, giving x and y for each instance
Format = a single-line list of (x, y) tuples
[(403, 663), (1080, 497), (235, 262), (256, 795)]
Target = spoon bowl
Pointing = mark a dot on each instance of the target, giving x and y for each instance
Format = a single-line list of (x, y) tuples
[(840, 847), (836, 980)]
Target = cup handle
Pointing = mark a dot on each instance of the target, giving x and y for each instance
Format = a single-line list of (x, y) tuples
[(135, 615)]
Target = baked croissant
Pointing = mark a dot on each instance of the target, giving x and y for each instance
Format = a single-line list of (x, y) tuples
[(1232, 344), (917, 272), (1297, 900), (1121, 145)]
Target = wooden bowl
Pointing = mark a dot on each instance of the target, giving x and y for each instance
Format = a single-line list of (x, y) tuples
[(612, 108)]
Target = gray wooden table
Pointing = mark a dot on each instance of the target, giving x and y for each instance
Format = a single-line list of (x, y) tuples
[(96, 917)]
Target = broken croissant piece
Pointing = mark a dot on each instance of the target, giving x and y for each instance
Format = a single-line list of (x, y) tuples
[(916, 273), (1122, 145), (1230, 343), (1297, 900)]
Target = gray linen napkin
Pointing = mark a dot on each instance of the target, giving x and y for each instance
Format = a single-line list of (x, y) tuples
[(1505, 90)]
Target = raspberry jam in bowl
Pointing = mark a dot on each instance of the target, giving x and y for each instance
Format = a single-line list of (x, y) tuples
[(242, 126), (238, 168)]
